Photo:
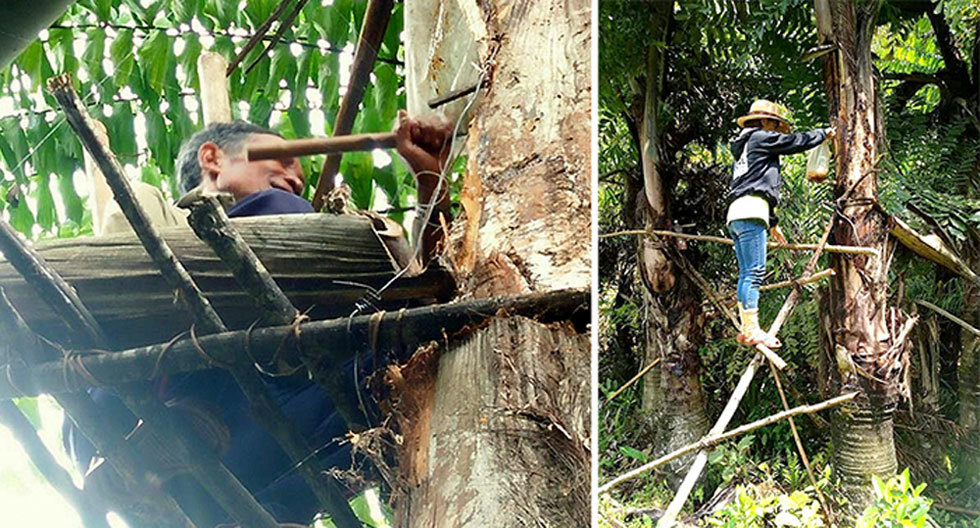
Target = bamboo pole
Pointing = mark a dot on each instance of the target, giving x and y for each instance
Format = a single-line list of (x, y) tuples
[(284, 26), (215, 103), (322, 145), (801, 450), (965, 325), (89, 507), (376, 16), (799, 281), (209, 221), (204, 465), (259, 34), (714, 439), (632, 380), (327, 342), (687, 485), (171, 269), (848, 250), (956, 509)]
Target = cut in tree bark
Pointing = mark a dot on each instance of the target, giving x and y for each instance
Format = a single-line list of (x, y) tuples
[(509, 447), (489, 417)]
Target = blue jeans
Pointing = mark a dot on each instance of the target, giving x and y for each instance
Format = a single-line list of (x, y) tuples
[(750, 250)]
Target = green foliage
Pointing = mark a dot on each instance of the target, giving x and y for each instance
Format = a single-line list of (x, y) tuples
[(135, 69), (753, 508), (897, 504)]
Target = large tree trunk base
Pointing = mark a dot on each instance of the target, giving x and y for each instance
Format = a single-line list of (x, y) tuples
[(507, 400), (863, 446), (672, 393)]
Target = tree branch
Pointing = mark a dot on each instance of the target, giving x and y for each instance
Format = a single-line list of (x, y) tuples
[(376, 17), (319, 342), (715, 439)]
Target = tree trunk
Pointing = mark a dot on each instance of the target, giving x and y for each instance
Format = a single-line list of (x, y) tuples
[(496, 425), (969, 365), (672, 315), (869, 359)]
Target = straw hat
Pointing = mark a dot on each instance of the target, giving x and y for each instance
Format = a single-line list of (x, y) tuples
[(763, 109)]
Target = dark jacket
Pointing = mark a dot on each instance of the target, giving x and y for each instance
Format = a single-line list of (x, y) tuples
[(756, 168)]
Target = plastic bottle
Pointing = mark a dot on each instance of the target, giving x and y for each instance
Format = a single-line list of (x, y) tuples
[(818, 163)]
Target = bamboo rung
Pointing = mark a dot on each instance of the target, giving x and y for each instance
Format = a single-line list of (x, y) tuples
[(849, 250)]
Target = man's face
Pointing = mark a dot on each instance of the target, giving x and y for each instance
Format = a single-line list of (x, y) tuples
[(233, 173)]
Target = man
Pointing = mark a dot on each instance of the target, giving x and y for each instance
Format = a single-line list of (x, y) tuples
[(214, 161)]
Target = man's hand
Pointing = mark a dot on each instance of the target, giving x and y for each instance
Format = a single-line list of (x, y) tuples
[(777, 234), (424, 143), (831, 133)]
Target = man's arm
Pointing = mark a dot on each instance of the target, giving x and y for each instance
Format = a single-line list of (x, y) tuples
[(425, 143)]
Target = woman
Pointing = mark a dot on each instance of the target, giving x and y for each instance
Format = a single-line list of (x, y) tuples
[(754, 196)]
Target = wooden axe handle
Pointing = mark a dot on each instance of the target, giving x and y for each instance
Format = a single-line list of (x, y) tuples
[(306, 147)]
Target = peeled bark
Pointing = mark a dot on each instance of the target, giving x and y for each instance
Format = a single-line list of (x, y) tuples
[(506, 421), (496, 425), (869, 358)]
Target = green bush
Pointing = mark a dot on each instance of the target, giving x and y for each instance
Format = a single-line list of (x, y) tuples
[(752, 508), (897, 504)]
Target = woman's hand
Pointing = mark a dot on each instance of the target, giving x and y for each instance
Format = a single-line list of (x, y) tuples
[(777, 234)]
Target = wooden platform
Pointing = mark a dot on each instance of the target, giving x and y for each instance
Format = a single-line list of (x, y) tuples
[(313, 257)]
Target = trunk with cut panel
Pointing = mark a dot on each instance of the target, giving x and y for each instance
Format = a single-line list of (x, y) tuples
[(863, 331), (495, 424)]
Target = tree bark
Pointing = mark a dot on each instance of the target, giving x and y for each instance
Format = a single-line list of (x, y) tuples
[(969, 365), (505, 422), (496, 426), (673, 318), (869, 358)]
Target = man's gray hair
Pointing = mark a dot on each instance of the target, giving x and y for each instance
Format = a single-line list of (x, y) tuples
[(228, 136)]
